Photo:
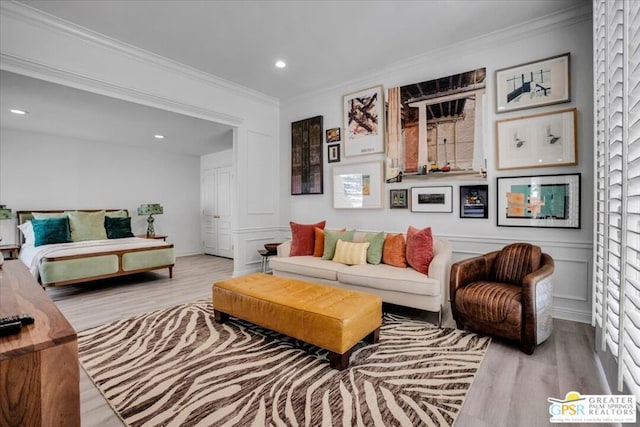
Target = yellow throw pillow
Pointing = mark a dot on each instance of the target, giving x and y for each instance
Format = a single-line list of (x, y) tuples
[(351, 253), (87, 226)]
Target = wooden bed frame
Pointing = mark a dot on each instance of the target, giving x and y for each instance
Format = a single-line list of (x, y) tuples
[(24, 216)]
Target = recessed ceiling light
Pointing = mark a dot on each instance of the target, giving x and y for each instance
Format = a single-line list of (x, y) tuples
[(281, 64), (158, 136), (19, 112)]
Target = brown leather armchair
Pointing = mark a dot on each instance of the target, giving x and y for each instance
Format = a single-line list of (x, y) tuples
[(506, 293)]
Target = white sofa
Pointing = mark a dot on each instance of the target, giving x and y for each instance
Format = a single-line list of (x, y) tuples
[(401, 286)]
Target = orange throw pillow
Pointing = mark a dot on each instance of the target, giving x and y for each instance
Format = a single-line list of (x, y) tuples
[(318, 249), (419, 249), (303, 238), (393, 251)]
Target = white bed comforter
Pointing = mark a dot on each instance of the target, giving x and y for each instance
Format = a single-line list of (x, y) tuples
[(31, 256)]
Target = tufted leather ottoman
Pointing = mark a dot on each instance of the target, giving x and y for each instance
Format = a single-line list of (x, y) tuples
[(331, 318)]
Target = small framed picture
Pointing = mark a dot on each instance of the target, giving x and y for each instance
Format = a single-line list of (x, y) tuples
[(534, 84), (474, 201), (333, 135), (398, 198), (431, 199), (333, 153)]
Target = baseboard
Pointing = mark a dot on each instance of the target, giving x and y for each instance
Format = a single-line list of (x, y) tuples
[(573, 315), (181, 254)]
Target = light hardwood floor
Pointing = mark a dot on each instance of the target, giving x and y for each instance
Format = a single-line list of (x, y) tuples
[(510, 389)]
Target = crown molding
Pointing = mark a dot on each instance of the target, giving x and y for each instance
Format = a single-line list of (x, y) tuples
[(558, 20), (50, 22), (47, 72)]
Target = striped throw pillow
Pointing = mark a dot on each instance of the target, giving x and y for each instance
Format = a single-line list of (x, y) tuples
[(351, 253)]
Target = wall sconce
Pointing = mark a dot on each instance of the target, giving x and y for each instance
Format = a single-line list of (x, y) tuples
[(150, 209)]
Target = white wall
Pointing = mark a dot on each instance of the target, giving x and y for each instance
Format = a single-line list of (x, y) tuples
[(568, 32), (40, 171)]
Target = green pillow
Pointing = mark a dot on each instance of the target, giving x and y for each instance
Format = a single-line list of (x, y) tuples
[(331, 239), (87, 226), (374, 252), (118, 228), (51, 230)]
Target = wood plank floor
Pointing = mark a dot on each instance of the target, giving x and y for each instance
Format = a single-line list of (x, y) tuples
[(511, 388)]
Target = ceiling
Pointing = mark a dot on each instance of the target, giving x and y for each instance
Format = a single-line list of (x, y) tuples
[(325, 44), (67, 112)]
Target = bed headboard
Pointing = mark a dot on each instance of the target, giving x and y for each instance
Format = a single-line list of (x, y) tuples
[(24, 216)]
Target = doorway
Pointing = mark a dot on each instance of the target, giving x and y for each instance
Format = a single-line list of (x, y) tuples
[(216, 211)]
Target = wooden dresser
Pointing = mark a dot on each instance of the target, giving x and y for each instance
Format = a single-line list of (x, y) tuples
[(39, 370)]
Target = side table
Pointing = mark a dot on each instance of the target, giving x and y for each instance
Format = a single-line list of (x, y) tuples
[(157, 237), (12, 249), (265, 257)]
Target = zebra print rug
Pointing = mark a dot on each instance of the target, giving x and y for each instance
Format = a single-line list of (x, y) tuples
[(177, 367)]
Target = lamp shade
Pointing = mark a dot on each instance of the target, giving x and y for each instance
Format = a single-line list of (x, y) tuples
[(5, 212), (150, 209)]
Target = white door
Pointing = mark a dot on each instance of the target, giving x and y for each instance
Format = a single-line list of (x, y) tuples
[(216, 211)]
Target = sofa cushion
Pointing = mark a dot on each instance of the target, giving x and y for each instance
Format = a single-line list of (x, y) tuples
[(303, 238), (419, 249), (374, 253), (394, 251), (318, 246), (307, 266), (351, 253), (390, 278), (331, 239)]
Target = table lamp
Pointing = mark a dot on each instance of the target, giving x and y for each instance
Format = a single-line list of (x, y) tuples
[(5, 213), (150, 209)]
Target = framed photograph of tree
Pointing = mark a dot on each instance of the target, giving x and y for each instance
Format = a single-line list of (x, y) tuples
[(363, 116)]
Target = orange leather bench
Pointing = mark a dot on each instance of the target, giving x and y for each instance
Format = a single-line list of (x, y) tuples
[(331, 318)]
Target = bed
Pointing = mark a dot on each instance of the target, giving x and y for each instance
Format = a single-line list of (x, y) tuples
[(81, 258)]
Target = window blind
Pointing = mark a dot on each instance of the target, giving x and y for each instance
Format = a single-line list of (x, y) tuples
[(616, 294)]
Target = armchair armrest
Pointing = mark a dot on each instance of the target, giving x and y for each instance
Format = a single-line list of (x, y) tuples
[(537, 303), (284, 249), (471, 270)]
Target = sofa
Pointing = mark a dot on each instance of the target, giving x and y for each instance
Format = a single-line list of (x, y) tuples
[(395, 285)]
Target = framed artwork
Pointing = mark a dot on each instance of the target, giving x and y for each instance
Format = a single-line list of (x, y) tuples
[(431, 199), (333, 135), (537, 141), (551, 201), (363, 117), (534, 84), (358, 186), (437, 125), (474, 201), (398, 198), (306, 156), (333, 153)]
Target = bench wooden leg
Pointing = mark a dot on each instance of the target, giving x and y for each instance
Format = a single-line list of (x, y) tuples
[(219, 316), (373, 337), (339, 361)]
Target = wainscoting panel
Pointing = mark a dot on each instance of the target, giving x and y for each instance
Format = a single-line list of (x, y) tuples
[(250, 241)]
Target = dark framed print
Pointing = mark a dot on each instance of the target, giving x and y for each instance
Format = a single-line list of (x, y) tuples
[(537, 141), (333, 153), (363, 119), (333, 135), (534, 84), (550, 201), (474, 201), (431, 199), (306, 156), (398, 198)]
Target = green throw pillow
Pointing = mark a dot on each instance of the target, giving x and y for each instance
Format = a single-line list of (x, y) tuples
[(118, 228), (51, 230), (331, 239), (374, 253), (87, 226)]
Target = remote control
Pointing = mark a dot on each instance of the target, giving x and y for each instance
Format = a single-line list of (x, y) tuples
[(23, 319), (10, 328)]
